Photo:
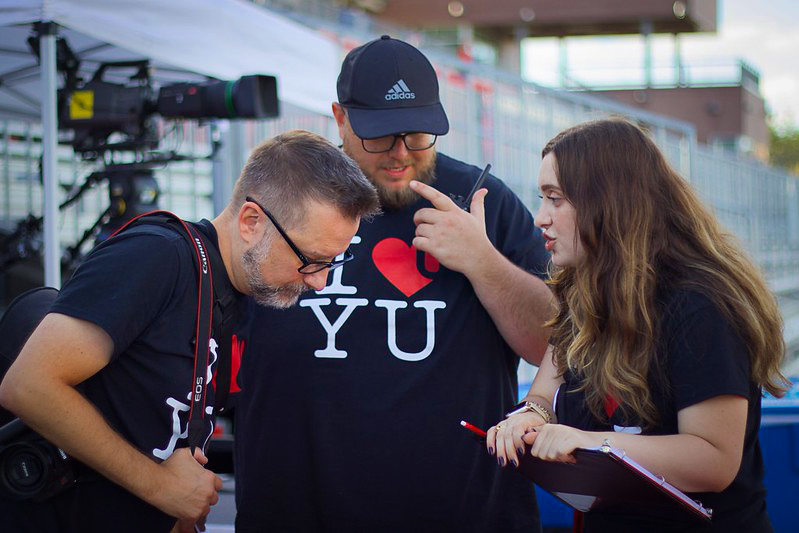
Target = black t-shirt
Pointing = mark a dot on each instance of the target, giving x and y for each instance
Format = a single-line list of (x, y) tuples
[(348, 419), (702, 357), (140, 287)]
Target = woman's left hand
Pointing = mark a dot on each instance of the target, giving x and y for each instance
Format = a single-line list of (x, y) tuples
[(556, 442)]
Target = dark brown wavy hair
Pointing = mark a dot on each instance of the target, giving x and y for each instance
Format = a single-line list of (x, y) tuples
[(642, 226)]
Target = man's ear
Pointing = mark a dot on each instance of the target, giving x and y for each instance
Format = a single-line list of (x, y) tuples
[(251, 223), (339, 113), (341, 119)]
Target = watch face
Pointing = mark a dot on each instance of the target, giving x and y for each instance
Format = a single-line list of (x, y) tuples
[(533, 407), (519, 408)]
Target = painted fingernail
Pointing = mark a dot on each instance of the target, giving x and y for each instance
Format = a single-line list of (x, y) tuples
[(516, 464), (520, 451), (501, 461), (491, 450)]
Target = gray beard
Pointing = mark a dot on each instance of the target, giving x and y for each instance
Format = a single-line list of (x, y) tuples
[(264, 294)]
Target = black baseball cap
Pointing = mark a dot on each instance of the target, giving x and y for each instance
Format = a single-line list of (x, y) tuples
[(389, 87)]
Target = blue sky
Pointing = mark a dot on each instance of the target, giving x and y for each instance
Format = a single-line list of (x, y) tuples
[(764, 34)]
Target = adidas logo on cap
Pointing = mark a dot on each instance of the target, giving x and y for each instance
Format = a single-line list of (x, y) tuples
[(400, 91)]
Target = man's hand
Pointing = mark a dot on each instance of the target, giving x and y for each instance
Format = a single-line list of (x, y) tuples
[(189, 491), (456, 238), (188, 526), (40, 388), (519, 303)]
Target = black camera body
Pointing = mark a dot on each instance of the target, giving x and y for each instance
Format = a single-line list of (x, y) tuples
[(98, 108), (31, 468)]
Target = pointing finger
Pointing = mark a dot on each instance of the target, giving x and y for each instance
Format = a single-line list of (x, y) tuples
[(436, 197)]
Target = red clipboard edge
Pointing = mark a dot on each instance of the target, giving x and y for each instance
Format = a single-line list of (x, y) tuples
[(670, 490)]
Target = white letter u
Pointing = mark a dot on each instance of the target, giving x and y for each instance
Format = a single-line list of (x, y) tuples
[(391, 331)]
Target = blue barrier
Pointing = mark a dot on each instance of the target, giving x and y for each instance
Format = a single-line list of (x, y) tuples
[(779, 441)]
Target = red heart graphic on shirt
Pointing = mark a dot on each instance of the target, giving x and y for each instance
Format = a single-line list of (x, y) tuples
[(397, 262)]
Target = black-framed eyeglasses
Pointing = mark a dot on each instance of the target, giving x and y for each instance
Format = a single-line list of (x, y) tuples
[(308, 267), (414, 142)]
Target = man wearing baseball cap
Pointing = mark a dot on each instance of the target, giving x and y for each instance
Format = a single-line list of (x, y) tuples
[(351, 402)]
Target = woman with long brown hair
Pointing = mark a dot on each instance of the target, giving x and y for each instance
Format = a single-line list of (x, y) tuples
[(665, 335)]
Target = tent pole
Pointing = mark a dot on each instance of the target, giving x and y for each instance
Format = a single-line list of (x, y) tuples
[(220, 166), (52, 246)]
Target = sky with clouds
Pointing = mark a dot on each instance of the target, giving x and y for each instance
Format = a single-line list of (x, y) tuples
[(764, 34)]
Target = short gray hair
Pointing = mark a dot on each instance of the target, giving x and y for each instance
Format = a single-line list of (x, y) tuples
[(287, 171)]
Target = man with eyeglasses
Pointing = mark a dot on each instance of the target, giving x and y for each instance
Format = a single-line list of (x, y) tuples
[(108, 374), (350, 407)]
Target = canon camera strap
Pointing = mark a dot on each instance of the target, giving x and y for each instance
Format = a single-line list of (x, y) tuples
[(206, 259)]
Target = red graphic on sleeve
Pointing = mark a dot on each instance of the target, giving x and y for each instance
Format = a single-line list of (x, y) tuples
[(397, 262)]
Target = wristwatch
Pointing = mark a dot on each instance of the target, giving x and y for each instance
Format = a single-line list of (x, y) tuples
[(535, 407)]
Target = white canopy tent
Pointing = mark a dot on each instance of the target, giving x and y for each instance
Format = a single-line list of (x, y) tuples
[(184, 39)]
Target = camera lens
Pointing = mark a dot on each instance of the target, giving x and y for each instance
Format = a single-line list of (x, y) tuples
[(23, 470)]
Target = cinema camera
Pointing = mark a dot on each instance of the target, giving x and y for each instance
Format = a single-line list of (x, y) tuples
[(118, 117), (117, 111), (99, 108)]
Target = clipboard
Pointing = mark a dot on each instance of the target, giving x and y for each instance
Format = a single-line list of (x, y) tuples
[(605, 478)]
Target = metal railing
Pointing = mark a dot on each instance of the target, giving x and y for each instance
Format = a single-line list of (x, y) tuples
[(495, 118)]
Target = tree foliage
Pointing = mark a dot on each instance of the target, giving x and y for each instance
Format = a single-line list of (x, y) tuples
[(784, 149)]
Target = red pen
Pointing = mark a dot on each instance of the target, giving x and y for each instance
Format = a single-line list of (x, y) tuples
[(479, 433)]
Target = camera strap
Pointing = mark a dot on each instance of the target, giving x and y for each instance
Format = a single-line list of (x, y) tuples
[(206, 259)]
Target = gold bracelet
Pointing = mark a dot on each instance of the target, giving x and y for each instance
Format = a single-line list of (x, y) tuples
[(540, 410), (534, 407)]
